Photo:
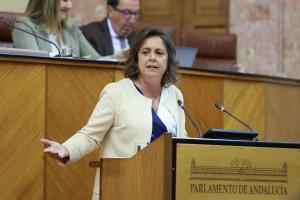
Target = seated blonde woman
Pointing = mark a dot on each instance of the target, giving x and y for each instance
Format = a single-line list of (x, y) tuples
[(49, 19)]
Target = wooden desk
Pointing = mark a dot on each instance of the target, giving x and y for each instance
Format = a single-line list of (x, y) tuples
[(53, 98)]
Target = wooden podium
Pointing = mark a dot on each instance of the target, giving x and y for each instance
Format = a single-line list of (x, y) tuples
[(147, 175), (190, 169)]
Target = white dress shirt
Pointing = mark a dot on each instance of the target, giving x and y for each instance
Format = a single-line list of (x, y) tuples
[(115, 39)]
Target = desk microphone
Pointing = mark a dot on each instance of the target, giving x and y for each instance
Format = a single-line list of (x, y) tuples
[(223, 109), (190, 118), (34, 35)]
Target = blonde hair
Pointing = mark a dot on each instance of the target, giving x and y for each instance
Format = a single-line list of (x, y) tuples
[(46, 12)]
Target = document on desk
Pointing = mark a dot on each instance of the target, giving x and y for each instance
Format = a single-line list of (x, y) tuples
[(27, 52), (108, 59), (113, 60)]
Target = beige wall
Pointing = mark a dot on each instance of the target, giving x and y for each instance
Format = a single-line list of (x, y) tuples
[(85, 11), (13, 5), (268, 36)]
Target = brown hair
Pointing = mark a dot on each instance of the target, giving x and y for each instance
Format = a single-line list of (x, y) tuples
[(45, 12), (131, 68)]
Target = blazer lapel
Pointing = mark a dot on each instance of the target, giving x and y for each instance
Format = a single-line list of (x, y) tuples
[(107, 40), (41, 32), (168, 103)]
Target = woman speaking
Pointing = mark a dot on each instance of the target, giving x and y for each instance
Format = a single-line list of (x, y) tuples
[(136, 109)]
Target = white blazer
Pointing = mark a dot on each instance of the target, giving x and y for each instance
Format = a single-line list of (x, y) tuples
[(121, 119)]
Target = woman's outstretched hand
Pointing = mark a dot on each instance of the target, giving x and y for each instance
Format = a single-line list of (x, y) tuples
[(56, 151)]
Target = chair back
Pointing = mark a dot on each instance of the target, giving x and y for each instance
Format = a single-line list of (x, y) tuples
[(214, 49), (5, 30)]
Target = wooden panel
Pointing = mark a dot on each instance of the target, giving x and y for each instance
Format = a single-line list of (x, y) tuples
[(157, 7), (119, 74), (200, 95), (246, 100), (206, 15), (161, 12), (187, 14), (22, 108), (145, 176), (283, 116), (205, 8), (72, 89), (72, 95)]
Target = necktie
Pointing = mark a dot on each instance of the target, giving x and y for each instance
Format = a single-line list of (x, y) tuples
[(122, 42)]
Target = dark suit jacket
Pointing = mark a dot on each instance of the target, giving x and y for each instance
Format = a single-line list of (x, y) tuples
[(97, 33)]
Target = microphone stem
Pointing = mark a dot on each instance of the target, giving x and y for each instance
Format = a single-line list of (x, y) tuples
[(193, 123), (10, 25), (238, 119)]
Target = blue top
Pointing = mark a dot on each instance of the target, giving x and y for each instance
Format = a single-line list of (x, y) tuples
[(158, 127)]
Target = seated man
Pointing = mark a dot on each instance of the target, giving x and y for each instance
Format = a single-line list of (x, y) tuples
[(115, 32)]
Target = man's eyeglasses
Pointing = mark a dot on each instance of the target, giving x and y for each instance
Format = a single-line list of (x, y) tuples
[(128, 13)]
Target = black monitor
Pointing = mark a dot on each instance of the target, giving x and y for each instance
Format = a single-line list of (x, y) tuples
[(230, 134), (186, 56)]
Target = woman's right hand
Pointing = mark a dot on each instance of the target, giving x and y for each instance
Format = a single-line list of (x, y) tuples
[(56, 151)]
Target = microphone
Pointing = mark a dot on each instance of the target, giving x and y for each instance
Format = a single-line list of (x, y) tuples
[(190, 118), (34, 35), (223, 109)]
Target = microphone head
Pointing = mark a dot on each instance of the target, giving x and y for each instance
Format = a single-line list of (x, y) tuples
[(220, 106)]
